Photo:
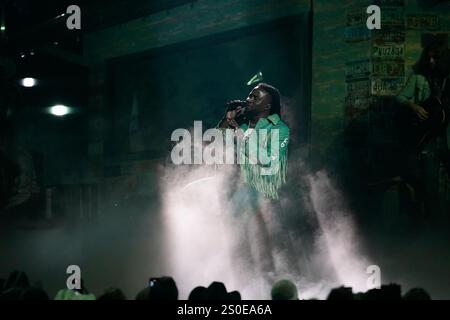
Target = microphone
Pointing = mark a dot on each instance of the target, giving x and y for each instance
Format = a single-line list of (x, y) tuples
[(240, 106), (235, 104)]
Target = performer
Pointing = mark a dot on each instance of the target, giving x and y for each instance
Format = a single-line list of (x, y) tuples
[(423, 117), (256, 200), (262, 112)]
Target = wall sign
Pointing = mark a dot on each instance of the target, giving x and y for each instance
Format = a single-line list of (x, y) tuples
[(356, 33), (357, 18), (390, 68), (386, 86), (389, 51), (392, 16), (359, 87), (422, 22), (357, 69), (395, 35)]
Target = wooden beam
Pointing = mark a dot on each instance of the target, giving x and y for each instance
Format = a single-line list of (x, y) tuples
[(64, 55), (186, 22)]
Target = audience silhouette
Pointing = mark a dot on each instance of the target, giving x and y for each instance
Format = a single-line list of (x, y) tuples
[(17, 287)]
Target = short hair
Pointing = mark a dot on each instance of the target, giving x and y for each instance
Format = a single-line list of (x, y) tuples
[(275, 106), (341, 293), (112, 294), (163, 288), (284, 290), (198, 293), (416, 294)]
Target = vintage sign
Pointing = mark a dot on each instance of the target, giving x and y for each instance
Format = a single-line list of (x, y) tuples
[(357, 69), (359, 87), (386, 86), (383, 35), (388, 68), (357, 33), (388, 51), (392, 16), (357, 18), (422, 22)]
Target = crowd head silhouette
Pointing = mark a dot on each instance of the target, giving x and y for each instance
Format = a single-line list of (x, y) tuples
[(18, 287)]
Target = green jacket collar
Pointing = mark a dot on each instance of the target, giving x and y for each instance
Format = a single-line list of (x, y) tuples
[(273, 119)]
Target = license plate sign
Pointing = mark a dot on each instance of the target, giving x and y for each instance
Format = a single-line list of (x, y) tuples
[(384, 86), (388, 68), (389, 51)]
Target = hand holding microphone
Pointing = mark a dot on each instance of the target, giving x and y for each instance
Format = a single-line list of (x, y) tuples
[(235, 114)]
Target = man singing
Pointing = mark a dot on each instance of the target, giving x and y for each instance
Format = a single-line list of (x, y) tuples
[(260, 124), (263, 140)]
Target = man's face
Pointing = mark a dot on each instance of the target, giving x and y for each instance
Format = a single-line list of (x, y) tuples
[(258, 101)]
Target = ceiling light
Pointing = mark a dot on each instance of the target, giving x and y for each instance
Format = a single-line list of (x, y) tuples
[(59, 110), (28, 82)]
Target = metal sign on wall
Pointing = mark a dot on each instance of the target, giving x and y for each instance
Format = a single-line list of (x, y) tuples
[(388, 68), (422, 22), (357, 69), (364, 68), (388, 51), (359, 87), (357, 18), (386, 86), (356, 33), (393, 35), (392, 16)]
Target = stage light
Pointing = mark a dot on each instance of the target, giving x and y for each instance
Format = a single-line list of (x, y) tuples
[(256, 78), (28, 82), (59, 110), (3, 28)]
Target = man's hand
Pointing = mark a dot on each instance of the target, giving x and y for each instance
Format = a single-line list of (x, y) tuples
[(419, 111), (231, 119), (240, 111)]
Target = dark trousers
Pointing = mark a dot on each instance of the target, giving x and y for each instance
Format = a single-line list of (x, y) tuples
[(416, 170)]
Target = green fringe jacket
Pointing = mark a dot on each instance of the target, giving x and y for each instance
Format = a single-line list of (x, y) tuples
[(263, 160)]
